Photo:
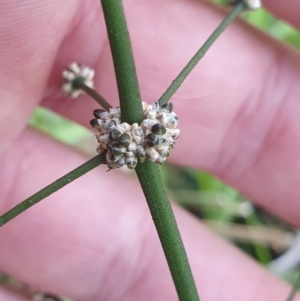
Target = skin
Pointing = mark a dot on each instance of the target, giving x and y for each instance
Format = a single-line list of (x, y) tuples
[(94, 240)]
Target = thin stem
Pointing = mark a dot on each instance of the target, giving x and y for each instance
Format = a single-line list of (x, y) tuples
[(152, 184), (148, 172), (129, 93), (294, 290), (53, 187), (91, 92), (177, 82)]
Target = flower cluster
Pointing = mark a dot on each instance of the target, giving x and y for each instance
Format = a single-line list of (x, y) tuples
[(77, 74), (127, 144), (251, 4)]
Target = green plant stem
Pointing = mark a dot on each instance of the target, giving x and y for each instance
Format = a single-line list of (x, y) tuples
[(148, 173), (129, 93), (165, 223), (93, 93), (238, 8), (53, 187), (262, 252), (294, 290)]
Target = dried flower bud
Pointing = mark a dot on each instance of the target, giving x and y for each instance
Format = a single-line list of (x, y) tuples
[(97, 113), (168, 107), (117, 149), (95, 122), (125, 140), (158, 129), (114, 134)]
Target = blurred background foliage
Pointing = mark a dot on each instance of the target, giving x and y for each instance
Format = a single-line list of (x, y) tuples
[(267, 239)]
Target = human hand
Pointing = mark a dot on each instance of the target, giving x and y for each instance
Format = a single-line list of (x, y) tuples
[(95, 240)]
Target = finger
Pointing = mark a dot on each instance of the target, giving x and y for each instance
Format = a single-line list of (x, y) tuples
[(95, 239), (286, 10), (238, 108), (31, 33), (236, 127)]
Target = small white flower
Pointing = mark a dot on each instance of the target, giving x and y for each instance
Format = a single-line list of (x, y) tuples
[(77, 72), (115, 112), (163, 150), (174, 133), (152, 153), (104, 115), (132, 147), (254, 4), (251, 4), (151, 114), (163, 118), (145, 106), (104, 139), (125, 126), (160, 160)]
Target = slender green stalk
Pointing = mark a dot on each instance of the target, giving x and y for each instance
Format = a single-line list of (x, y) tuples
[(262, 252), (148, 173), (53, 187), (294, 290), (165, 223), (91, 92), (177, 82), (129, 93)]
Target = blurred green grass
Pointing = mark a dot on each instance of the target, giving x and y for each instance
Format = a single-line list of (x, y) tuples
[(262, 19), (199, 192), (58, 127)]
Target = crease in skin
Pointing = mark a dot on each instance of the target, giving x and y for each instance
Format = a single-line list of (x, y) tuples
[(259, 116), (129, 275), (245, 141), (153, 286)]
